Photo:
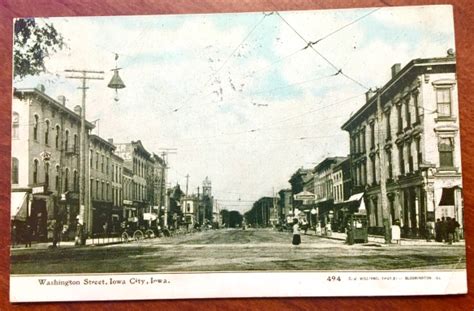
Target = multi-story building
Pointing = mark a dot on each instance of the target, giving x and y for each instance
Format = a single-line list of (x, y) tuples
[(285, 205), (129, 209), (159, 184), (324, 187), (190, 209), (117, 191), (103, 217), (302, 182), (45, 162), (418, 132), (342, 190), (137, 159)]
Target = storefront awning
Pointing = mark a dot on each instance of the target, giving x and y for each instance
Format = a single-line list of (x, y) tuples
[(18, 208), (357, 201), (447, 197)]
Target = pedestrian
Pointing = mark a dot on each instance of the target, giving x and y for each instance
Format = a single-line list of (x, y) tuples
[(14, 236), (438, 236), (457, 230), (444, 230), (296, 233), (396, 232), (28, 235), (430, 226), (450, 228)]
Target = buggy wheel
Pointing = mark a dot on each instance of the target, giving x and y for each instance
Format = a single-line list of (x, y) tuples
[(149, 234), (138, 235), (125, 237)]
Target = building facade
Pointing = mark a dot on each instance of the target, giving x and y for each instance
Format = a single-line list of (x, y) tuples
[(102, 179), (45, 163), (324, 189), (418, 132), (137, 160)]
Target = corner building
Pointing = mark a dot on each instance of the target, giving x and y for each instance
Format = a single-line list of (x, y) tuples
[(419, 134)]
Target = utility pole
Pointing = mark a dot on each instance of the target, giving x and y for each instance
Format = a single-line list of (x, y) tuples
[(85, 215), (163, 193), (383, 170)]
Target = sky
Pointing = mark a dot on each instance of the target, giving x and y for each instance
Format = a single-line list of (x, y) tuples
[(238, 95)]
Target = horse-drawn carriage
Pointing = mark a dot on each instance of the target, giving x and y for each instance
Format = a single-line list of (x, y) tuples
[(136, 229)]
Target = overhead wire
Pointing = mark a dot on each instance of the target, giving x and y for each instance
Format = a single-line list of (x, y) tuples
[(310, 45)]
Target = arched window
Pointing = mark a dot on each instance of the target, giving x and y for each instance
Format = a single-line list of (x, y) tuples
[(15, 125), (66, 180), (35, 171), (46, 133), (57, 184), (66, 140), (46, 174), (75, 182), (58, 130), (75, 143), (15, 171), (35, 127)]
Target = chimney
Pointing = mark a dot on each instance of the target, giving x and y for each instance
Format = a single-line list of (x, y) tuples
[(77, 110), (395, 69), (369, 94), (62, 100), (111, 140), (41, 88)]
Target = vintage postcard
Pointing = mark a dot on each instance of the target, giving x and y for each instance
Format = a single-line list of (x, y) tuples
[(264, 154)]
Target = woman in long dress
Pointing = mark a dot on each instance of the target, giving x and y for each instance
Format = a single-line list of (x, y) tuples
[(296, 233)]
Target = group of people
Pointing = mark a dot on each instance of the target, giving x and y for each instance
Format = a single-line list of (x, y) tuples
[(447, 230)]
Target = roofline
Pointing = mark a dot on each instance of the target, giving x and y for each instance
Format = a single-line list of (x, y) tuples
[(418, 62), (52, 100), (102, 140)]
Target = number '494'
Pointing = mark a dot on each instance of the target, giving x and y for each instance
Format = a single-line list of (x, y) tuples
[(334, 278)]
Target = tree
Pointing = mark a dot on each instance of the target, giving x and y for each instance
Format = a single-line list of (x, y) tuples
[(33, 43)]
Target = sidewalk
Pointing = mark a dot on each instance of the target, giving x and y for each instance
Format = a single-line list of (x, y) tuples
[(70, 244), (377, 239)]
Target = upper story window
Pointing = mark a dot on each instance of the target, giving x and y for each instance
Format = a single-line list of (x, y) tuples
[(35, 171), (66, 140), (388, 127), (15, 125), (400, 119), (417, 107), (15, 170), (46, 133), (372, 135), (58, 135), (35, 127), (75, 143), (46, 174), (407, 113), (443, 101), (446, 148)]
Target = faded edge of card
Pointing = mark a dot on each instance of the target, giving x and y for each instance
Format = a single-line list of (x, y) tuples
[(42, 288)]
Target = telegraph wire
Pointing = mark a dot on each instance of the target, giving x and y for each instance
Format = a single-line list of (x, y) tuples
[(310, 45)]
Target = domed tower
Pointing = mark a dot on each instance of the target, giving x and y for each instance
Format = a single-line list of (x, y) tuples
[(207, 187)]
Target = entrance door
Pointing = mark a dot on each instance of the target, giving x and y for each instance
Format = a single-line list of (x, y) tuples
[(38, 221)]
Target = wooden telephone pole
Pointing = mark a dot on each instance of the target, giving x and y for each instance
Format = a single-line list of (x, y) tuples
[(85, 213), (383, 170)]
